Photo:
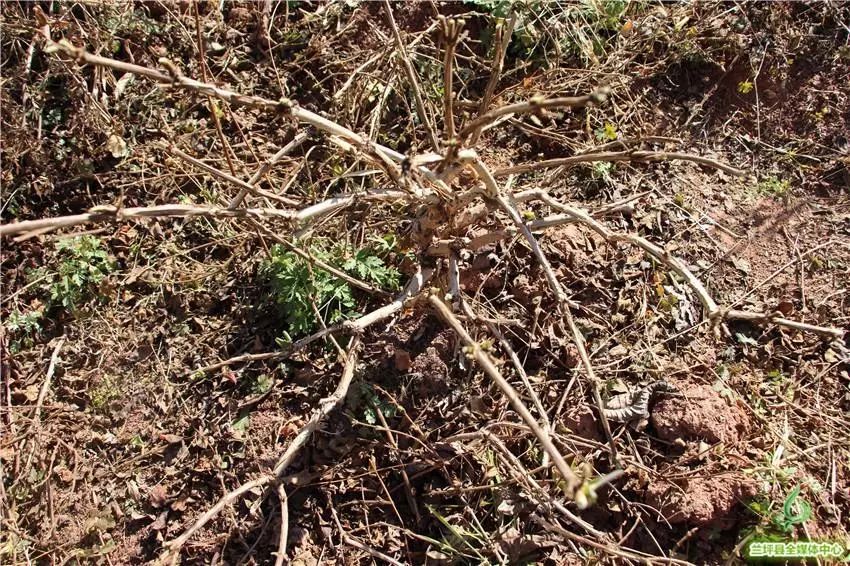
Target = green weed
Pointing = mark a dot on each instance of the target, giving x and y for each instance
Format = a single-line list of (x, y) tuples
[(107, 390), (83, 264), (301, 289), (774, 186), (25, 326)]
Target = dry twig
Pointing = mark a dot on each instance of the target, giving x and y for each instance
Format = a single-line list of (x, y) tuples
[(473, 350)]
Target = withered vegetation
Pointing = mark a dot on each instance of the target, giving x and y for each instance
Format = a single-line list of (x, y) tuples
[(485, 282)]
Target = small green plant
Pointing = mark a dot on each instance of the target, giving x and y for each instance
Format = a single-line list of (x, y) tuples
[(25, 326), (745, 87), (373, 404), (83, 264), (606, 133), (104, 392), (498, 8), (302, 290), (601, 170), (774, 186)]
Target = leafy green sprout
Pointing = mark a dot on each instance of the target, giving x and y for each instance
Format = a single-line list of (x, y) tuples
[(83, 265), (774, 186), (27, 325), (301, 289)]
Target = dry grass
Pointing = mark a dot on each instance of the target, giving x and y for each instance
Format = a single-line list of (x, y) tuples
[(573, 218)]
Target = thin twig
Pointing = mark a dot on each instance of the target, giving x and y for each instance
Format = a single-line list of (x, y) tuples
[(524, 477), (715, 312), (45, 387), (245, 187), (621, 553), (412, 79), (566, 312), (266, 167), (533, 105), (280, 559), (488, 365), (213, 106)]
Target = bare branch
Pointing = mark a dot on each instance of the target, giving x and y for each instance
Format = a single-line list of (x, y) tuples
[(566, 312), (504, 30), (533, 105), (412, 79), (266, 167), (488, 365), (112, 214), (451, 30)]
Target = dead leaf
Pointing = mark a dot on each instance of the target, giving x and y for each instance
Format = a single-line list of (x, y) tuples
[(157, 496), (402, 360), (31, 393), (785, 307), (741, 265), (117, 146)]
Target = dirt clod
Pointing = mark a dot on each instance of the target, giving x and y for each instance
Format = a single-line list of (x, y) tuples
[(701, 501), (702, 414)]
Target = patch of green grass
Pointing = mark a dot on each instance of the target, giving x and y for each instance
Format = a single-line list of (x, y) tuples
[(573, 29), (107, 390), (301, 289)]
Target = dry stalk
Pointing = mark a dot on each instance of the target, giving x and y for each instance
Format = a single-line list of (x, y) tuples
[(502, 40), (45, 387), (412, 79), (488, 365), (533, 105), (108, 213), (451, 29), (280, 559), (545, 425), (327, 405), (173, 78), (617, 551), (202, 59), (112, 214), (266, 167)]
